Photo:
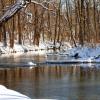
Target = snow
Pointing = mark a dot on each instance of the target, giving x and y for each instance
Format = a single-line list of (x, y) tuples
[(26, 48), (31, 63), (85, 54), (76, 54), (8, 94), (21, 48)]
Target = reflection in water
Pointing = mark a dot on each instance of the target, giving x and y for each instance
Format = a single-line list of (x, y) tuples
[(22, 59), (61, 82)]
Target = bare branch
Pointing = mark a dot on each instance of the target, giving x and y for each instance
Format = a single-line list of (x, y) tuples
[(41, 4)]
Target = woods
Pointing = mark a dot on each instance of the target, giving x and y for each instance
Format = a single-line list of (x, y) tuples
[(58, 21), (50, 49)]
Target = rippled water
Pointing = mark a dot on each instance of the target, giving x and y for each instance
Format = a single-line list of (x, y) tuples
[(62, 82)]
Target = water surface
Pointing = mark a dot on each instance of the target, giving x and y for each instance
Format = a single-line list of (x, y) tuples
[(63, 82)]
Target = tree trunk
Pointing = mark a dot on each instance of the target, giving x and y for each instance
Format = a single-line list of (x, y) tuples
[(3, 27), (19, 29)]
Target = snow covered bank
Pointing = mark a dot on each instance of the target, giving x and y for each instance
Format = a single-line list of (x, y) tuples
[(76, 55), (7, 94), (89, 53), (86, 54), (20, 48), (26, 48)]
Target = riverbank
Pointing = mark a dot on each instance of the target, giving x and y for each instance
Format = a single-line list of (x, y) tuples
[(8, 94), (76, 54)]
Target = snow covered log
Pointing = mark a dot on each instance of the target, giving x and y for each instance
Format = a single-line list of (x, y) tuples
[(12, 10), (19, 4)]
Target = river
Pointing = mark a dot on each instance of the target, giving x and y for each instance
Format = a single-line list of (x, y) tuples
[(45, 81)]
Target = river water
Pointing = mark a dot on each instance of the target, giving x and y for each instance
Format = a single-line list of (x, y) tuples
[(45, 81)]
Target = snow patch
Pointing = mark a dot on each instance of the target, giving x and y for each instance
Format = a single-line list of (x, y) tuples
[(79, 54), (31, 63), (8, 94)]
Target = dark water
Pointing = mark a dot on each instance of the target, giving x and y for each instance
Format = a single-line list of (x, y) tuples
[(61, 82)]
